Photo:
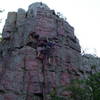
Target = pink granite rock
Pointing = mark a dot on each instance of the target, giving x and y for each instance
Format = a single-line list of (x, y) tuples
[(23, 75)]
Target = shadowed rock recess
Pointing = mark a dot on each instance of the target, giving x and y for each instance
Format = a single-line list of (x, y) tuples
[(23, 76)]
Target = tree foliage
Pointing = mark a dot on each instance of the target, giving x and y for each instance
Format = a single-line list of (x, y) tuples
[(88, 89)]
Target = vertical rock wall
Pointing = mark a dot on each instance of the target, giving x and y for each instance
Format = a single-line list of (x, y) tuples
[(23, 76)]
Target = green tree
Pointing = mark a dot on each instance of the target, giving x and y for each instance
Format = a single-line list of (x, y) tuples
[(87, 89), (93, 82)]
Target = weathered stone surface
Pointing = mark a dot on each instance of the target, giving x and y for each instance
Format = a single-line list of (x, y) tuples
[(90, 65), (23, 76), (21, 15), (32, 11), (9, 25)]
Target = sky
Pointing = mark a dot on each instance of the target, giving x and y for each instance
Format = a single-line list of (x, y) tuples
[(83, 15)]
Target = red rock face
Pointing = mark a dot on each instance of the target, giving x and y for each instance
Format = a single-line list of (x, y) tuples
[(23, 75)]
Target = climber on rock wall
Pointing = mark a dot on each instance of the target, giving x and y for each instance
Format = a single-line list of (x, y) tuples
[(45, 49)]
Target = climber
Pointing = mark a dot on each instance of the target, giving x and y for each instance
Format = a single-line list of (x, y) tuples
[(45, 49), (49, 50), (40, 48)]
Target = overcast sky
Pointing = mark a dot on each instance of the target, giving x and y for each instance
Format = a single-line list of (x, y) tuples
[(83, 15)]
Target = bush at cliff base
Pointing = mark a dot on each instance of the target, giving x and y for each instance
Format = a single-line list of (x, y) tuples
[(87, 89)]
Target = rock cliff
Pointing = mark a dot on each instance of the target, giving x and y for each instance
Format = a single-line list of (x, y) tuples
[(23, 75)]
